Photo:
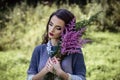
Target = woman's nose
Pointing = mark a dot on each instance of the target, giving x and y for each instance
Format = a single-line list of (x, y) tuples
[(52, 29)]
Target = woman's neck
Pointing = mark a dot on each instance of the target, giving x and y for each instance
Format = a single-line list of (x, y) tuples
[(54, 42)]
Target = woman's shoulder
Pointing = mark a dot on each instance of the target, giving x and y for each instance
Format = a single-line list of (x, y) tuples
[(78, 55), (39, 47)]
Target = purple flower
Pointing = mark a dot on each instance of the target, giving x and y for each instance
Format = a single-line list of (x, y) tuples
[(72, 39)]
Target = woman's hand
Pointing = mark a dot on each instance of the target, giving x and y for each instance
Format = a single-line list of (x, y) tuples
[(58, 69), (56, 65), (49, 66)]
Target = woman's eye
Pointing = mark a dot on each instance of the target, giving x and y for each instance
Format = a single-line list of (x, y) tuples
[(58, 28), (50, 24)]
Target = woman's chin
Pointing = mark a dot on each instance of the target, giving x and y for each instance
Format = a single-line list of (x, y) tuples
[(51, 37)]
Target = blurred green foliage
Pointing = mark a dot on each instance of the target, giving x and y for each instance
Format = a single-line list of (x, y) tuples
[(102, 56), (13, 65), (21, 29)]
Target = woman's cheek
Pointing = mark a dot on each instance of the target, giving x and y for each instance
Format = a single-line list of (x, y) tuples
[(59, 34)]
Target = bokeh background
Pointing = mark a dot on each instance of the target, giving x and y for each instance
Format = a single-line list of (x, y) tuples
[(22, 23)]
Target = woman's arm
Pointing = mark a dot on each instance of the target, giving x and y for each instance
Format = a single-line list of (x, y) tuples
[(79, 67), (37, 76), (40, 75), (33, 73), (76, 77), (58, 69), (48, 68), (33, 67)]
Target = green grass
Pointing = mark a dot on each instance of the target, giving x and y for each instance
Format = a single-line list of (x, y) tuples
[(102, 56), (13, 65)]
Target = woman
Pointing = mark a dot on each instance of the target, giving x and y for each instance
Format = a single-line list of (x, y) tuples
[(42, 66)]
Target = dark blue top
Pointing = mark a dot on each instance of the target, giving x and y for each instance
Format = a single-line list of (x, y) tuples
[(73, 63)]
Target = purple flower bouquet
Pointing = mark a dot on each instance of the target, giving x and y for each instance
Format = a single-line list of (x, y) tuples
[(71, 38)]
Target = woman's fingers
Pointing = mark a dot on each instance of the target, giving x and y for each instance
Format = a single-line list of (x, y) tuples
[(55, 60), (53, 63), (49, 65), (50, 61), (58, 59)]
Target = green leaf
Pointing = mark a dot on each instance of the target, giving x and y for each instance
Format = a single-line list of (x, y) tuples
[(84, 23)]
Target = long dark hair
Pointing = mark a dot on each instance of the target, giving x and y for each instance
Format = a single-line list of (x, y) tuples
[(64, 15)]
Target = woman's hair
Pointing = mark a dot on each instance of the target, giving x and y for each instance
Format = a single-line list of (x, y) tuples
[(64, 15)]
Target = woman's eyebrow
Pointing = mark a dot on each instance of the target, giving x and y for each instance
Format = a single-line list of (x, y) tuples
[(55, 24), (51, 22)]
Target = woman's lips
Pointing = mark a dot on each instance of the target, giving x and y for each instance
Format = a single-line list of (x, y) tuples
[(51, 34)]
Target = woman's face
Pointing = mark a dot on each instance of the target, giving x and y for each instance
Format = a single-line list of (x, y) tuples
[(55, 27)]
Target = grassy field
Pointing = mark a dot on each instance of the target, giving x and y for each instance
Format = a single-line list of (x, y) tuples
[(23, 32), (101, 58)]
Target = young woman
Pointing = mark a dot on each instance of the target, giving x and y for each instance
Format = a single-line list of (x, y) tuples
[(42, 66)]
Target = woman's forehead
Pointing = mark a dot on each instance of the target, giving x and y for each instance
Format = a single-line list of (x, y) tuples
[(57, 21)]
